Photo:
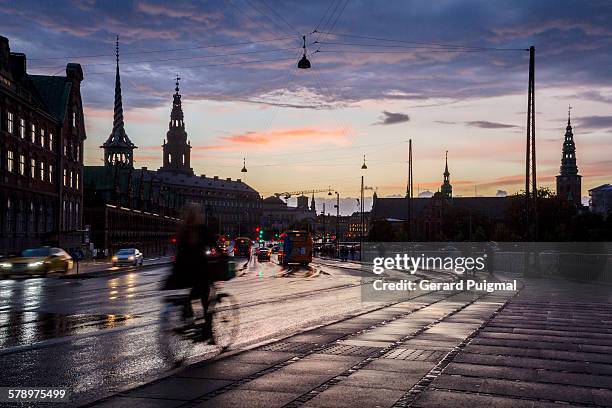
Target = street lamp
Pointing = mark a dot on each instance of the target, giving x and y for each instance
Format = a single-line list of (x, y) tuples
[(361, 228), (244, 169), (337, 222)]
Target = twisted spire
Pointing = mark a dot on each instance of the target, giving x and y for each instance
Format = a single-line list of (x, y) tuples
[(118, 110)]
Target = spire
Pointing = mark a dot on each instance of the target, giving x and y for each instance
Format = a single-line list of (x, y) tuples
[(118, 148), (447, 188), (118, 112), (313, 207), (446, 173), (177, 149), (568, 157), (176, 116)]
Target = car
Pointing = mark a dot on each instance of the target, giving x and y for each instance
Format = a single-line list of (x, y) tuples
[(275, 249), (128, 256), (264, 254), (37, 261)]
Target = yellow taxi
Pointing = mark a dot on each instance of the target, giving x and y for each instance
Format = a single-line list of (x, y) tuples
[(37, 261)]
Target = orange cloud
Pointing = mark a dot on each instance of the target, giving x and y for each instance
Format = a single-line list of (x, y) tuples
[(281, 138)]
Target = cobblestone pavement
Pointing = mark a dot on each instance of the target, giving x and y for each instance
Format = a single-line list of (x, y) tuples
[(549, 344)]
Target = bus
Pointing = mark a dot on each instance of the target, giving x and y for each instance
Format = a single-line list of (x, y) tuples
[(242, 247), (297, 247)]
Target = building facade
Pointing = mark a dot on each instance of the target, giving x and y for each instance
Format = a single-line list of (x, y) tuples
[(41, 156), (277, 216), (600, 200), (119, 190)]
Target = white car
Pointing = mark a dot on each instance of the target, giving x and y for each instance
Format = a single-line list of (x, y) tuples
[(128, 256)]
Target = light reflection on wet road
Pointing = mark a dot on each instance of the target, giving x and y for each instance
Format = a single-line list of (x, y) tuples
[(97, 336)]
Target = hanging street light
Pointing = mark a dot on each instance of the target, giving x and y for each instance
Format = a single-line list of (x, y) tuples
[(244, 169), (363, 166), (303, 63)]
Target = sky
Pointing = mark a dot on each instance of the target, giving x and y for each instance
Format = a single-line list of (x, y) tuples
[(451, 75)]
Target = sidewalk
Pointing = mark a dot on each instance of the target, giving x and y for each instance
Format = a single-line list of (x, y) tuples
[(550, 344), (369, 360)]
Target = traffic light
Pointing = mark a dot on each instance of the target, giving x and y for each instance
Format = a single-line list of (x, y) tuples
[(261, 232)]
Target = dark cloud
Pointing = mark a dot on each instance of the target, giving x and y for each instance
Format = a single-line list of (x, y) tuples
[(572, 39), (391, 118), (594, 122), (485, 124)]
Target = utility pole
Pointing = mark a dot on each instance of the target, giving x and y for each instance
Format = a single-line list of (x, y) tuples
[(409, 190), (531, 192)]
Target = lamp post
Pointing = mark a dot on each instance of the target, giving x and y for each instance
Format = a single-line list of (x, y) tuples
[(361, 227), (337, 222)]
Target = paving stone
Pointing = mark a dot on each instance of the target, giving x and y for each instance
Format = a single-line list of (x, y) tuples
[(515, 388), (317, 338), (366, 343), (401, 366), (382, 379), (249, 399), (262, 357), (289, 382), (132, 402), (340, 396), (178, 388), (223, 370), (446, 399), (375, 335), (320, 366)]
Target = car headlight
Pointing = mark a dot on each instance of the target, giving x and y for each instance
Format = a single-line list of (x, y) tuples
[(35, 264), (6, 265), (130, 258), (115, 259)]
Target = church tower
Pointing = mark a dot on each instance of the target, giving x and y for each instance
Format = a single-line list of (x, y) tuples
[(568, 180), (177, 150), (446, 189), (118, 148)]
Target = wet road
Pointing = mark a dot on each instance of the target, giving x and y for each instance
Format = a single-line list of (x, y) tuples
[(98, 336)]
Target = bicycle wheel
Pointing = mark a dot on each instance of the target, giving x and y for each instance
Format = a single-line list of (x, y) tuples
[(174, 343), (225, 320)]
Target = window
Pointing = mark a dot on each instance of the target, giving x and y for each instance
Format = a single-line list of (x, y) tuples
[(22, 165), (71, 179), (31, 218), (42, 169), (42, 137), (41, 218), (10, 161), (78, 153), (8, 216), (33, 168), (65, 180), (73, 119), (33, 133), (51, 141), (50, 173), (22, 128), (9, 122), (76, 183)]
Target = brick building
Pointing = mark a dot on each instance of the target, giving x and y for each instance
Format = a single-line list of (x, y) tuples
[(41, 155)]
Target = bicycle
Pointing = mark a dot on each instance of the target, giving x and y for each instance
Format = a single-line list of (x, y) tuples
[(180, 331)]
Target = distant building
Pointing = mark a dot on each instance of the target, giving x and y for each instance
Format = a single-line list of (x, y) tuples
[(149, 197), (41, 156), (428, 212), (569, 181), (277, 216), (600, 201)]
